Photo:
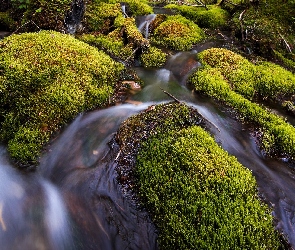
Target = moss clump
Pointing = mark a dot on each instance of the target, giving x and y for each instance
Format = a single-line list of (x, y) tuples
[(199, 197), (101, 17), (264, 79), (278, 135), (46, 79), (113, 46), (153, 57), (212, 18), (177, 33)]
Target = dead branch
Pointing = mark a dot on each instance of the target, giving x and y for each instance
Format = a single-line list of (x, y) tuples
[(170, 95)]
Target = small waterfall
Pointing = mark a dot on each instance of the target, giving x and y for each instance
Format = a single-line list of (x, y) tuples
[(143, 23), (74, 16), (123, 8)]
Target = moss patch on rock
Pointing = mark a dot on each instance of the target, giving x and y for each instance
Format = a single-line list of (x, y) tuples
[(199, 197), (46, 79), (153, 57), (214, 17), (177, 33), (264, 79), (278, 136)]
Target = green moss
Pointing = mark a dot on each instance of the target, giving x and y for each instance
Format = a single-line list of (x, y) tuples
[(153, 57), (264, 79), (100, 17), (46, 79), (177, 33), (279, 136), (212, 18), (199, 196), (133, 34), (111, 45)]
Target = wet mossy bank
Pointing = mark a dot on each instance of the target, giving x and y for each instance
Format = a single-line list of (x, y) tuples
[(46, 80), (198, 196)]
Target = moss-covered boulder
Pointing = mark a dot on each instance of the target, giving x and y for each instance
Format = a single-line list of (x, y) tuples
[(100, 16), (213, 17), (198, 196), (153, 57), (177, 33), (46, 79), (264, 79), (230, 78)]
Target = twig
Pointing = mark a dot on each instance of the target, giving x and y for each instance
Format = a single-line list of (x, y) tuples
[(25, 25), (170, 95), (286, 43)]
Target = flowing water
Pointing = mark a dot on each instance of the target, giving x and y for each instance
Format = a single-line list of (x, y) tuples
[(73, 201)]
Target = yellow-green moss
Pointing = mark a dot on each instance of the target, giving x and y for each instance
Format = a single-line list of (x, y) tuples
[(214, 17), (264, 79), (46, 79), (278, 135), (153, 57), (198, 196), (111, 45), (177, 33)]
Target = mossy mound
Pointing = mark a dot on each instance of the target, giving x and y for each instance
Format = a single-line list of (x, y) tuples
[(177, 33), (278, 136), (264, 79), (100, 16), (113, 46), (46, 79), (213, 17), (153, 57), (199, 197), (110, 31)]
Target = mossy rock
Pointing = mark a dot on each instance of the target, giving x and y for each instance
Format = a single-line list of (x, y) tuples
[(46, 79), (198, 196), (213, 17), (113, 46), (153, 57), (278, 136), (103, 15), (177, 33), (264, 79)]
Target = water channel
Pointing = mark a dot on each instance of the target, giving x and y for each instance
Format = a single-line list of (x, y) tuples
[(73, 201)]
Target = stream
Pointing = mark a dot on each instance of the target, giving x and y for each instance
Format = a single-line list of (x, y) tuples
[(73, 200)]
